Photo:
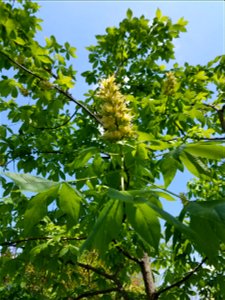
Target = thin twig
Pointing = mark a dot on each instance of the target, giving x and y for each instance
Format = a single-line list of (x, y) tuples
[(16, 242), (184, 279), (56, 87)]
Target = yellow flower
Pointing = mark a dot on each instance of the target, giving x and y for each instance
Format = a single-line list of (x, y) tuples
[(115, 115), (170, 84)]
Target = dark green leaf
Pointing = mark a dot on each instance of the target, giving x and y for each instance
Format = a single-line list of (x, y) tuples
[(106, 227), (145, 222)]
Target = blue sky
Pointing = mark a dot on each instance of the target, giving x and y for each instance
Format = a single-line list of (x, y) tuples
[(79, 21)]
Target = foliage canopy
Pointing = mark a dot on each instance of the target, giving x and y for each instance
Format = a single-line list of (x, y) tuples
[(82, 217)]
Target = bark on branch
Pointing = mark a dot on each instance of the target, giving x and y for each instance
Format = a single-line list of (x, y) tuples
[(148, 278)]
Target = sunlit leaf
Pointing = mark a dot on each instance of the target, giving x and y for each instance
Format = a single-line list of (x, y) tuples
[(31, 183)]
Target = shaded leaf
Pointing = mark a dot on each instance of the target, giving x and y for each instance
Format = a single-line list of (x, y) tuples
[(37, 208), (145, 222), (106, 227), (69, 201)]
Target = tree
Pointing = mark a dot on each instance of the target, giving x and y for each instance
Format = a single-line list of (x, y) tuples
[(90, 225)]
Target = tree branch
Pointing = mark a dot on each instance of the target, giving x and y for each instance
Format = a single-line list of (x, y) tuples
[(107, 276), (184, 279), (126, 254), (45, 238), (148, 278), (56, 87), (94, 293)]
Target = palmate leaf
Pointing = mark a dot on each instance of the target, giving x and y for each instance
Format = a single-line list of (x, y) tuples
[(106, 227), (37, 208), (31, 183), (145, 222), (69, 201), (208, 222)]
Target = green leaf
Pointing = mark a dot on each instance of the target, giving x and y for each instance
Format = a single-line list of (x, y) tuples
[(208, 221), (168, 166), (182, 22), (201, 76), (158, 14), (69, 201), (30, 183), (194, 165), (145, 222), (37, 208), (129, 14), (83, 157), (173, 221), (19, 41), (207, 150), (120, 195), (106, 227)]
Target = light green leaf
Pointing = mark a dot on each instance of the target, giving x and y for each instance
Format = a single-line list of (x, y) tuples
[(19, 41), (145, 222), (194, 165), (83, 157), (158, 14), (69, 201), (106, 227), (65, 81), (207, 150), (201, 76), (37, 208), (182, 22), (168, 166), (30, 183)]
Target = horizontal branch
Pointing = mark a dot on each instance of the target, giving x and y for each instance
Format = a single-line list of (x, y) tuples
[(56, 87), (45, 238), (94, 293), (184, 279)]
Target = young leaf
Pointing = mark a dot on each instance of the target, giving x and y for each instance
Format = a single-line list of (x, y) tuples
[(31, 183), (69, 201), (158, 14), (129, 14)]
